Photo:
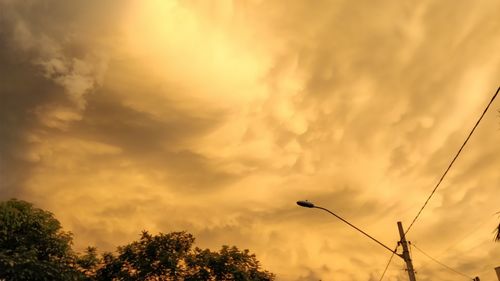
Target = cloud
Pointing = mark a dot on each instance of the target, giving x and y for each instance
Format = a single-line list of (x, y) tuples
[(45, 82), (215, 117)]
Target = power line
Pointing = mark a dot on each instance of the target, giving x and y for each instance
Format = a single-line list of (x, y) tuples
[(463, 238), (436, 187), (442, 264), (388, 263), (468, 234), (453, 161)]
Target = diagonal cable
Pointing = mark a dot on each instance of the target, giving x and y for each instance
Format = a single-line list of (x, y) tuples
[(388, 263), (453, 161), (440, 263)]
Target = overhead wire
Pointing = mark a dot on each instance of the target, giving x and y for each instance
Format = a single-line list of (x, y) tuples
[(463, 238), (437, 186), (388, 263), (468, 234), (453, 161), (440, 263)]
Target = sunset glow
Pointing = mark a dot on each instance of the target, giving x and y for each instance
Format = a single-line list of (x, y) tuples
[(215, 117)]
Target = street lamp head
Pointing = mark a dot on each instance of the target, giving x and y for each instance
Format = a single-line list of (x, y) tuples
[(305, 204)]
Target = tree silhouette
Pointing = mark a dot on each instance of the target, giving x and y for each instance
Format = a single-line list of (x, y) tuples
[(171, 257), (227, 264), (33, 245)]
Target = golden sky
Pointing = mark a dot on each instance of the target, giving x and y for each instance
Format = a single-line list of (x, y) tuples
[(214, 117)]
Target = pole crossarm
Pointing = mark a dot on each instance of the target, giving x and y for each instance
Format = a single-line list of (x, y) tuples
[(366, 234)]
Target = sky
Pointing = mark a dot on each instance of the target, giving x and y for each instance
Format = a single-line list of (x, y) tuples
[(215, 117)]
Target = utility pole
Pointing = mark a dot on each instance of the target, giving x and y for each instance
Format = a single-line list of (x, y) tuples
[(406, 253)]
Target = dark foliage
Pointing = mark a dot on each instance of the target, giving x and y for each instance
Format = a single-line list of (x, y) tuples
[(227, 264), (171, 257), (33, 246)]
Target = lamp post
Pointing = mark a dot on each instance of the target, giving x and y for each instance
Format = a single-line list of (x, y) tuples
[(405, 255)]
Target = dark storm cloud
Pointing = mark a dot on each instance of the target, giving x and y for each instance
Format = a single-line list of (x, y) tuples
[(22, 89), (155, 144), (153, 141), (39, 58), (215, 120)]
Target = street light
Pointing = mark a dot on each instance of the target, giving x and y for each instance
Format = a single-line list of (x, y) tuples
[(308, 204), (405, 256)]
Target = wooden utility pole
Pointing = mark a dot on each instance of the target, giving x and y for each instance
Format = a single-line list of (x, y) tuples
[(406, 253)]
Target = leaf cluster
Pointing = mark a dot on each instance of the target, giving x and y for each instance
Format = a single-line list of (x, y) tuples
[(33, 246), (171, 257)]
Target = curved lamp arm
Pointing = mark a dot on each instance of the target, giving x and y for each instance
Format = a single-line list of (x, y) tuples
[(308, 204)]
